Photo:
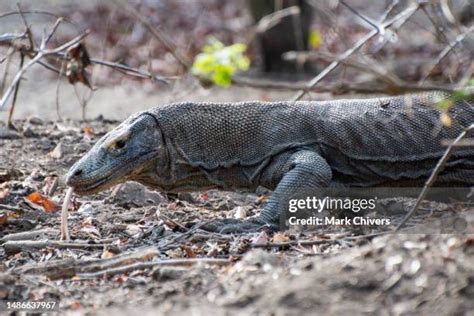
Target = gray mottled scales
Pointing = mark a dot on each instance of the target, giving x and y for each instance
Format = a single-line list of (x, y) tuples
[(291, 146)]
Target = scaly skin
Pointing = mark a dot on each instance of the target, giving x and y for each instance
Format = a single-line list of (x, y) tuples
[(288, 147)]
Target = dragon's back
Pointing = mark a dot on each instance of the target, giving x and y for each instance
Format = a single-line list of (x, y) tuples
[(403, 129)]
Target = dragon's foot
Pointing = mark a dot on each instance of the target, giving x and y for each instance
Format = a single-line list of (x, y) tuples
[(236, 226)]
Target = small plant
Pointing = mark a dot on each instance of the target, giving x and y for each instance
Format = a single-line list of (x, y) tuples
[(461, 94), (446, 104), (315, 39), (218, 63)]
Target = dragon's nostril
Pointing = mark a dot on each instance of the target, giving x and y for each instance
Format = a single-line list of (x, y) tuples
[(77, 173)]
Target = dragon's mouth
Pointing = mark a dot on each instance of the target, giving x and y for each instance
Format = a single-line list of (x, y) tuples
[(95, 187), (91, 186)]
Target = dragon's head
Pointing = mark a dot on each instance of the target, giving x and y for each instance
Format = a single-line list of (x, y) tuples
[(120, 155)]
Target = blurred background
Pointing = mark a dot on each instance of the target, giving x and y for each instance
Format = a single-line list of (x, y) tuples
[(214, 50)]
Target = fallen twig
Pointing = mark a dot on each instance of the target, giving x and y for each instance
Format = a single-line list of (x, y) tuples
[(434, 175), (70, 267), (318, 241), (15, 246), (30, 235), (294, 243), (153, 264), (11, 208), (64, 214)]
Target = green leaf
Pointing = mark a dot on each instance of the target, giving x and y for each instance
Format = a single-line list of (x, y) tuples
[(445, 104), (219, 63), (314, 39), (223, 75)]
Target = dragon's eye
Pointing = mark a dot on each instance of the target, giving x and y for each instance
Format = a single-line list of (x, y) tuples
[(120, 144)]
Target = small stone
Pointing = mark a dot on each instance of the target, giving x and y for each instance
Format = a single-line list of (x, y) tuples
[(412, 267), (222, 206), (34, 120), (133, 194), (133, 230), (187, 197), (6, 133), (168, 274), (29, 133), (392, 263), (9, 174), (57, 152), (239, 212), (86, 209)]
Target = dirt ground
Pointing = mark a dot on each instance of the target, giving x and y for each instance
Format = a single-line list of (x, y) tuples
[(137, 251), (398, 274)]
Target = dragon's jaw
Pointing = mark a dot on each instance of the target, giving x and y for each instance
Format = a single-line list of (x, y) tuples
[(88, 183)]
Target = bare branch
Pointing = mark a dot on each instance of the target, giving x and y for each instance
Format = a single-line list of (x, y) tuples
[(38, 12), (15, 94), (32, 234), (158, 34), (126, 262), (342, 87), (58, 83), (8, 38), (374, 69), (389, 10), (27, 27), (38, 56), (364, 18), (318, 241), (6, 69), (274, 18), (55, 27), (131, 71), (408, 12), (434, 175), (446, 51)]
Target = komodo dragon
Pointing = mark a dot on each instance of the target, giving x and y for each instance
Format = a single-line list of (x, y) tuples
[(283, 146)]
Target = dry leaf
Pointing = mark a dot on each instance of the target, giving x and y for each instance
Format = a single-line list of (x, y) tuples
[(204, 196), (280, 237), (189, 252), (76, 304), (262, 199), (3, 217), (470, 241), (88, 131), (76, 67), (261, 239), (107, 254), (49, 205)]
